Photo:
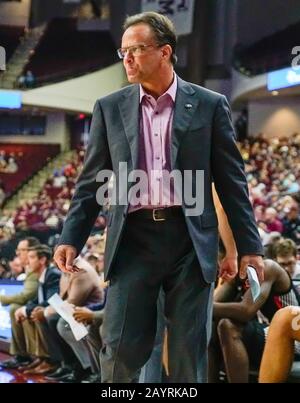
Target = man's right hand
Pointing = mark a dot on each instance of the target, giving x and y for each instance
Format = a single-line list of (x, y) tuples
[(64, 256)]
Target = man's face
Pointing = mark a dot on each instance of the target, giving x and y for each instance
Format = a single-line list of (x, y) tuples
[(34, 262), (16, 266), (144, 65), (288, 263), (22, 252)]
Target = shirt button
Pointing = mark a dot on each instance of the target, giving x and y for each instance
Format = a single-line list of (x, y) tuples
[(155, 134), (158, 158)]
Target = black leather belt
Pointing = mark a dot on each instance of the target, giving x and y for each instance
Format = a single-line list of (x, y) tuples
[(158, 214)]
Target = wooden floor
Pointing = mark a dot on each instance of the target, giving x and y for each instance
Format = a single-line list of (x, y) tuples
[(13, 376)]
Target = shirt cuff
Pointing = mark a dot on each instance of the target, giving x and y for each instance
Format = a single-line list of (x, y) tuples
[(47, 312)]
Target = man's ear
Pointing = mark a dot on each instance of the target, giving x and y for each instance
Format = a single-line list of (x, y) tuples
[(167, 51)]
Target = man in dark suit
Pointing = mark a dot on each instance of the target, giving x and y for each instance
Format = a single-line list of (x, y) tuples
[(161, 123), (28, 316)]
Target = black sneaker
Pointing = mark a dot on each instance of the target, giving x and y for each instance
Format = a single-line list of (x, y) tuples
[(15, 362)]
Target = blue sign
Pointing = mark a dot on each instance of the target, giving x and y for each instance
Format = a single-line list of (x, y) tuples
[(283, 78), (7, 287), (10, 99)]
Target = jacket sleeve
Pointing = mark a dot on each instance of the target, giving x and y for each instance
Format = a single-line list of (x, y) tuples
[(51, 287), (84, 207), (29, 292), (231, 184), (30, 306)]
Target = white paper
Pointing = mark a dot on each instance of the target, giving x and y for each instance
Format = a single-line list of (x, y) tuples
[(254, 283), (65, 310), (82, 264)]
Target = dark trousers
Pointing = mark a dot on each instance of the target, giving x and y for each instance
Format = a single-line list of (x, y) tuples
[(59, 350), (154, 254)]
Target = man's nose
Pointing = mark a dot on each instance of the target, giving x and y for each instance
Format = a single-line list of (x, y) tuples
[(128, 58)]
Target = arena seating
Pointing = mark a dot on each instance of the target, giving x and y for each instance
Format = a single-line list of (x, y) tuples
[(10, 38), (66, 52), (263, 56), (33, 158)]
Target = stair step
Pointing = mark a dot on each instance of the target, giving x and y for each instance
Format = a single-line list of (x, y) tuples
[(36, 184), (21, 55)]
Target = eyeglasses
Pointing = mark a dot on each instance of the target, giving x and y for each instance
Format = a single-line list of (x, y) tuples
[(136, 50)]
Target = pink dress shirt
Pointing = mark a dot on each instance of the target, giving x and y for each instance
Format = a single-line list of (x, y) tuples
[(156, 119)]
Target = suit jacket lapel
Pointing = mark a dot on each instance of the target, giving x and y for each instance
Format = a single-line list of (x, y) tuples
[(185, 107), (129, 109)]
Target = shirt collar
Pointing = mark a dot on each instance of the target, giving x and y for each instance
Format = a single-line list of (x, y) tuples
[(171, 91), (42, 276)]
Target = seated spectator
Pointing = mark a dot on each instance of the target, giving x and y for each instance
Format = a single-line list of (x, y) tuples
[(59, 180), (17, 270), (21, 81), (5, 272), (272, 221), (22, 251), (26, 80), (39, 258), (270, 241), (283, 341), (11, 166), (29, 79), (291, 224), (93, 318), (286, 256), (239, 323), (18, 346), (52, 221)]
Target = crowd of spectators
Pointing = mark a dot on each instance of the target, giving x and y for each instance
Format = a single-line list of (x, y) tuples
[(273, 174)]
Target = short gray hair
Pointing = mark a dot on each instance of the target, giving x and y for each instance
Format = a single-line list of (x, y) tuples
[(162, 27)]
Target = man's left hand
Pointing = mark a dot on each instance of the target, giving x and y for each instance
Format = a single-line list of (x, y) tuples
[(256, 262), (37, 315)]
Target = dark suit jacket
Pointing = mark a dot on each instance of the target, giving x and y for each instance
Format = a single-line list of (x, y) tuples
[(203, 138), (50, 287)]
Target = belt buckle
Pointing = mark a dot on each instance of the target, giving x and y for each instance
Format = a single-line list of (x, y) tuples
[(154, 216)]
